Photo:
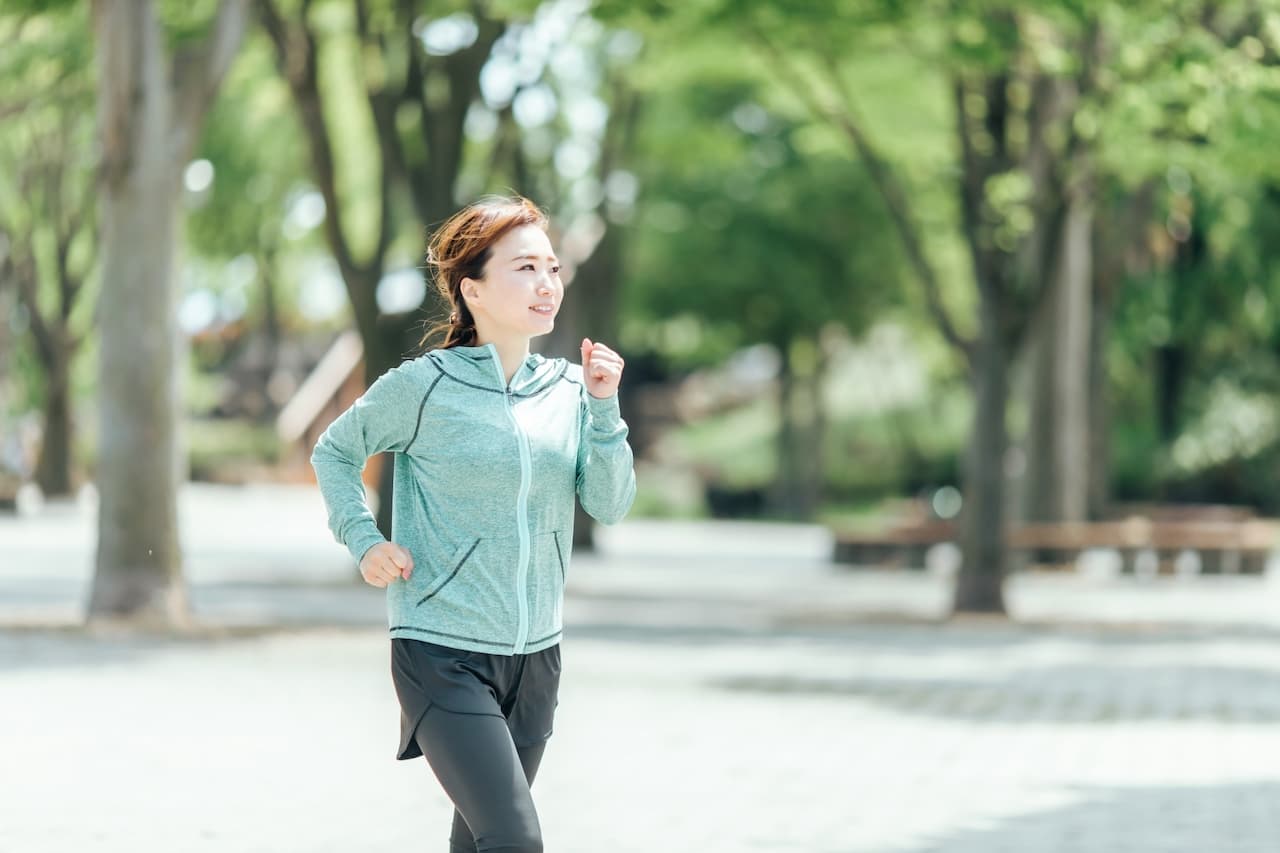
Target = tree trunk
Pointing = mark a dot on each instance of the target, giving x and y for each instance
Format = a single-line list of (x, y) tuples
[(979, 588), (797, 488), (1059, 434), (138, 559), (1071, 367), (1117, 248), (1040, 474), (6, 309), (53, 470), (1170, 377), (1099, 403), (1174, 359), (781, 497), (272, 325), (147, 131)]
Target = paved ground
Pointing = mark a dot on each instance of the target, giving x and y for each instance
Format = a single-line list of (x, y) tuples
[(725, 689)]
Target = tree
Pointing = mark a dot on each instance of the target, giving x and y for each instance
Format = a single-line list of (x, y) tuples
[(46, 210), (150, 108), (741, 237), (1181, 117), (1020, 201), (1028, 87)]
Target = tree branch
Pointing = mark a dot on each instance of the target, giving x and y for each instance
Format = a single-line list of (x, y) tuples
[(198, 71), (619, 133), (882, 177), (1061, 177), (121, 47), (443, 125), (296, 57), (25, 275), (382, 105), (972, 180), (506, 146)]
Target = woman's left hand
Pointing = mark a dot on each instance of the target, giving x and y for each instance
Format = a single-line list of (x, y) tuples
[(601, 369)]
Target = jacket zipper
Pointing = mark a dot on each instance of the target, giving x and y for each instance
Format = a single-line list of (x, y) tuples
[(522, 516)]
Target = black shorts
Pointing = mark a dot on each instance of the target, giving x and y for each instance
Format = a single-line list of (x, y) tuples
[(522, 689)]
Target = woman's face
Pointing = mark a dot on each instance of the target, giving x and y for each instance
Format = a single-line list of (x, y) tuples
[(522, 273)]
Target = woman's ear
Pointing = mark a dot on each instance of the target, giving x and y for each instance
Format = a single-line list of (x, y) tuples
[(469, 289)]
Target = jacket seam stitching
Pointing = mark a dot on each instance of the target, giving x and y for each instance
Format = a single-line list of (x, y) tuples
[(418, 426), (440, 367), (563, 370), (443, 634)]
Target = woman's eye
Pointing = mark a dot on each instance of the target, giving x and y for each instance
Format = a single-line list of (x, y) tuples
[(526, 267), (555, 270)]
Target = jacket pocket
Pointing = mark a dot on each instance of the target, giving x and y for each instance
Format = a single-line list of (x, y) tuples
[(454, 565)]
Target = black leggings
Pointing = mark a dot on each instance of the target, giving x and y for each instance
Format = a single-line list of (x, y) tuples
[(487, 778)]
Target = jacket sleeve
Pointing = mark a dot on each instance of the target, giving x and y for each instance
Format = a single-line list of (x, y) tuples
[(384, 418), (606, 475)]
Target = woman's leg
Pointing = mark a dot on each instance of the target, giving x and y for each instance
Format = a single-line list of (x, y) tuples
[(480, 769), (461, 841)]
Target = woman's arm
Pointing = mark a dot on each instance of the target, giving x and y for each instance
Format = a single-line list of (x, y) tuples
[(384, 418), (606, 476)]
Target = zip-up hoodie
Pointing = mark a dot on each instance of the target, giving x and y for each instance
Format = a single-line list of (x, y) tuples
[(485, 475)]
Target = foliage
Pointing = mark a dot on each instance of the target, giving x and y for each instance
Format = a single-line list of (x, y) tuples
[(255, 217), (742, 235), (747, 216), (897, 451), (47, 208)]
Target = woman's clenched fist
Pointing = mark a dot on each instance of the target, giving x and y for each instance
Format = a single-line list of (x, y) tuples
[(384, 563)]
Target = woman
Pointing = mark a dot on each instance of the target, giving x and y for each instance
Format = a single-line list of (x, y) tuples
[(491, 444)]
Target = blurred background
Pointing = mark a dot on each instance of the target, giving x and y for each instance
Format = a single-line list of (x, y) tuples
[(872, 264), (952, 334)]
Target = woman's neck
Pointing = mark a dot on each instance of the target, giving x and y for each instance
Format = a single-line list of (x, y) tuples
[(511, 353)]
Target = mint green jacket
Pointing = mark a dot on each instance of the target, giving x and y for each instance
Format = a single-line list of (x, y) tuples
[(485, 477)]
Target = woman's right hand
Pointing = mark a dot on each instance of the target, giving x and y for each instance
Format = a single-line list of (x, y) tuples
[(384, 563)]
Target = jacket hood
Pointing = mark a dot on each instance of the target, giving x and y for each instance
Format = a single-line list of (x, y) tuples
[(479, 367)]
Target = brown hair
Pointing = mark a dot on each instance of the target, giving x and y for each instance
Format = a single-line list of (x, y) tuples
[(461, 247)]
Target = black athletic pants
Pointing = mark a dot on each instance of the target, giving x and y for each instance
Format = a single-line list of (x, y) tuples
[(482, 720), (487, 778)]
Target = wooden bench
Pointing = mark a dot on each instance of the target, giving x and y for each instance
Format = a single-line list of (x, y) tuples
[(1144, 544), (1223, 547), (903, 544)]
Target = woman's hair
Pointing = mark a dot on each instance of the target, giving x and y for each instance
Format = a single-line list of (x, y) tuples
[(461, 247)]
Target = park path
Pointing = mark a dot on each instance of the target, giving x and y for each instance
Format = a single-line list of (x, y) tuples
[(725, 689)]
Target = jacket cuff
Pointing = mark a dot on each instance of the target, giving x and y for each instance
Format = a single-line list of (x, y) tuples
[(605, 411), (361, 544)]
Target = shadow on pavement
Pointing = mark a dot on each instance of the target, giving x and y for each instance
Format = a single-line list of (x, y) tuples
[(903, 635), (1234, 818), (79, 647), (1077, 693)]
